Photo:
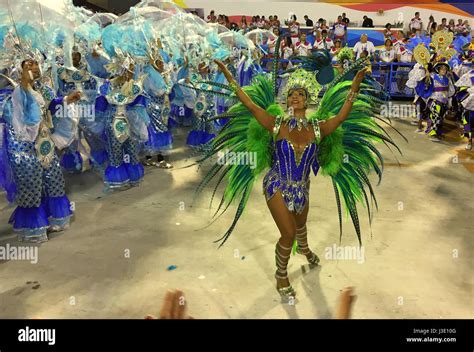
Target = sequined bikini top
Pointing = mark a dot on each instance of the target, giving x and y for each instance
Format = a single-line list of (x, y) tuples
[(287, 153)]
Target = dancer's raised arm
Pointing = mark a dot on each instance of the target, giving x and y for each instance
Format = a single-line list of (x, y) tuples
[(263, 117), (331, 124)]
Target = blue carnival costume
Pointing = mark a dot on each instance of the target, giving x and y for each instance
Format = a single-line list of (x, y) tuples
[(122, 108), (157, 89), (182, 100), (436, 89), (466, 100), (86, 139), (37, 175), (203, 129), (30, 133)]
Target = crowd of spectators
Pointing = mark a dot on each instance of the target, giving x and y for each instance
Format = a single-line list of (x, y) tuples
[(415, 25), (332, 37)]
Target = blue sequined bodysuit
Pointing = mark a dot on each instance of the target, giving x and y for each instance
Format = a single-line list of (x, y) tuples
[(290, 172)]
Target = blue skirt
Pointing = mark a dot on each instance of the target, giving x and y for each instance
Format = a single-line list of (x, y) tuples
[(181, 114), (157, 141), (199, 138)]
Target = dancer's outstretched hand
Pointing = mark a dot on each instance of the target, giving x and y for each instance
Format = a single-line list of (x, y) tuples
[(223, 68), (346, 299), (174, 307), (359, 77)]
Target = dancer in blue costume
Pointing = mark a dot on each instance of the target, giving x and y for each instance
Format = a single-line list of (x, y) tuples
[(28, 140), (86, 142), (157, 87), (461, 64), (289, 145), (182, 98), (246, 72), (121, 106), (203, 129), (438, 86), (465, 97), (222, 103)]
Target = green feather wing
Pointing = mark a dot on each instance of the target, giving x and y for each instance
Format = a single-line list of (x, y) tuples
[(349, 154), (243, 136)]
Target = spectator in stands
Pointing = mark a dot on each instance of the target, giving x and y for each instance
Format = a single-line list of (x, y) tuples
[(387, 53), (387, 32), (451, 25), (431, 23), (318, 24), (364, 45), (443, 25), (272, 41), (303, 47), (309, 22), (227, 22), (335, 50), (253, 24), (367, 23), (339, 30), (416, 23), (345, 19), (294, 28), (324, 42), (404, 55), (459, 27), (243, 24), (212, 17), (323, 26), (220, 20), (270, 23), (467, 28), (399, 42), (387, 56), (234, 27), (317, 36), (433, 29), (287, 52), (276, 21)]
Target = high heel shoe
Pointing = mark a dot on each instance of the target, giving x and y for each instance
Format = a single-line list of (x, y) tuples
[(313, 260), (285, 292)]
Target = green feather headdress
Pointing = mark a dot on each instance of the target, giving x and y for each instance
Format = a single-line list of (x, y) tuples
[(302, 79)]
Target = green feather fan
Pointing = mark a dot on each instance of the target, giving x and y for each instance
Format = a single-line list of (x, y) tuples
[(349, 154), (242, 134)]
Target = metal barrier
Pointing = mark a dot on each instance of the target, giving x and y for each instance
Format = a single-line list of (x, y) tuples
[(398, 78), (392, 76)]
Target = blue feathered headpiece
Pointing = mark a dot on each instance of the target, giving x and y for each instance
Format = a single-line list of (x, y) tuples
[(320, 63)]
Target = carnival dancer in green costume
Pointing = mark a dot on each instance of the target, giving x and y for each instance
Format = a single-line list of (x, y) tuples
[(338, 137)]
